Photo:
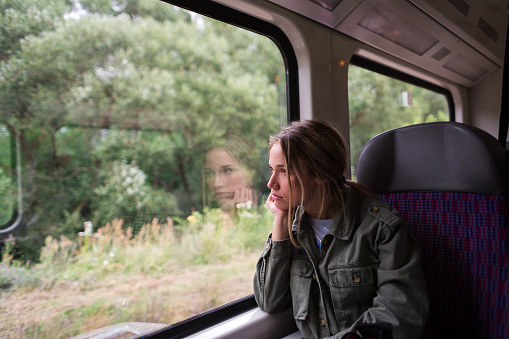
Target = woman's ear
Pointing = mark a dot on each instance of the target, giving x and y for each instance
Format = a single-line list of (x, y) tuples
[(319, 181)]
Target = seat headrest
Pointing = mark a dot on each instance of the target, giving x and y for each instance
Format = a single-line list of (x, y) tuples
[(434, 157)]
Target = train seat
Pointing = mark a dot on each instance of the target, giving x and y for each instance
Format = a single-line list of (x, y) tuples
[(450, 183)]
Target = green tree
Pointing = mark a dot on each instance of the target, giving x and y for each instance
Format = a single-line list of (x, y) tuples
[(20, 19), (157, 10), (7, 197), (136, 80)]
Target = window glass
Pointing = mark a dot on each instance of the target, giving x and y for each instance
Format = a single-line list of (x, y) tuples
[(143, 139), (7, 182), (379, 103)]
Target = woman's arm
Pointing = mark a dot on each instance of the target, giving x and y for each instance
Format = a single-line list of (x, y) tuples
[(272, 278)]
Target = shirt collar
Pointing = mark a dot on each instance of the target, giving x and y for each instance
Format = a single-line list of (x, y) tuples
[(344, 220)]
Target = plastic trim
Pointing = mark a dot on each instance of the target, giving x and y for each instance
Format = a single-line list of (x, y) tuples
[(204, 320)]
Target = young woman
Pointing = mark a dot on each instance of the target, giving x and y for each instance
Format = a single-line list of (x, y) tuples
[(337, 254)]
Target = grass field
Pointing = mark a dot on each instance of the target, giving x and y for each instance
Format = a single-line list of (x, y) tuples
[(163, 274)]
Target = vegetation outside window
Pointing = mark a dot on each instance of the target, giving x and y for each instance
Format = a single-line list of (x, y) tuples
[(143, 131), (378, 103), (7, 182)]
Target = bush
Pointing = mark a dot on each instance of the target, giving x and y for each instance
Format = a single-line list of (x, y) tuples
[(7, 197), (203, 238), (126, 194)]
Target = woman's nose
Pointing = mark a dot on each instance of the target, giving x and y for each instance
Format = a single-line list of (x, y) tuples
[(218, 180), (272, 183)]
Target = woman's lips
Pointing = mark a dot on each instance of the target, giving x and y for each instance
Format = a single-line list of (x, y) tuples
[(276, 197)]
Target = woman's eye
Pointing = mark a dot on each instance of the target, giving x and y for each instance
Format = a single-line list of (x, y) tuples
[(228, 170), (281, 170), (209, 173)]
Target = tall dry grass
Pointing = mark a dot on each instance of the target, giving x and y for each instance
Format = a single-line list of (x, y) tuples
[(164, 273)]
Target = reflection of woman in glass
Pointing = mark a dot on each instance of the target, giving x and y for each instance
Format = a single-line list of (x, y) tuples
[(229, 171)]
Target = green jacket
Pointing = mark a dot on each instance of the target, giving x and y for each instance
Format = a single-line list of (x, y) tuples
[(368, 271)]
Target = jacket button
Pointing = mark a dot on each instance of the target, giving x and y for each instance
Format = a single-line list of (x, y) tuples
[(375, 209), (322, 323), (314, 277), (356, 278), (267, 247)]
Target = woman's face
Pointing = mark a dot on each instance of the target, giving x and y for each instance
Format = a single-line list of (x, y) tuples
[(278, 182), (280, 189), (224, 176)]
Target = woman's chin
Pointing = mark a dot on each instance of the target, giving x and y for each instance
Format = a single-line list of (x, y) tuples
[(282, 205)]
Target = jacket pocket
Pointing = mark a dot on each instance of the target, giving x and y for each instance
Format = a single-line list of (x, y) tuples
[(353, 288), (301, 272)]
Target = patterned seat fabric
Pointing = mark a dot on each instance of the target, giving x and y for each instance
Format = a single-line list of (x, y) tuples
[(464, 240), (450, 183)]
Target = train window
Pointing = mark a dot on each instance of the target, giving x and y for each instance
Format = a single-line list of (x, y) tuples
[(7, 181), (143, 146), (378, 102)]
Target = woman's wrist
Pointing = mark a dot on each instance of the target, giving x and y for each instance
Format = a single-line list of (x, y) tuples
[(280, 228)]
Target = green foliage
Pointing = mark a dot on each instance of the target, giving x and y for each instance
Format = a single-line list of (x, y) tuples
[(200, 239), (18, 277), (5, 148), (136, 9), (22, 18), (121, 83), (125, 194), (203, 239), (7, 197), (13, 274), (7, 251)]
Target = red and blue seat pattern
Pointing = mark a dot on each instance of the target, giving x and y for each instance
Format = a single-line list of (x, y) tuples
[(462, 227), (464, 242)]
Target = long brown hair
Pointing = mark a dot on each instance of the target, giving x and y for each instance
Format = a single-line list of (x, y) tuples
[(315, 148)]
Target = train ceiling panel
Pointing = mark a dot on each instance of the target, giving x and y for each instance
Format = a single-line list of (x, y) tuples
[(327, 4), (472, 47), (482, 24)]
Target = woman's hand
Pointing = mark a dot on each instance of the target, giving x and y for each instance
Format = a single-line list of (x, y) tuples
[(245, 197), (280, 225)]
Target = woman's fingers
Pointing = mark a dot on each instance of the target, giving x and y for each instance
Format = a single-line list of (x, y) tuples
[(244, 197)]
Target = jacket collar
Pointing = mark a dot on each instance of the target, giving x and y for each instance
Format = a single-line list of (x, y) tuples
[(344, 220)]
